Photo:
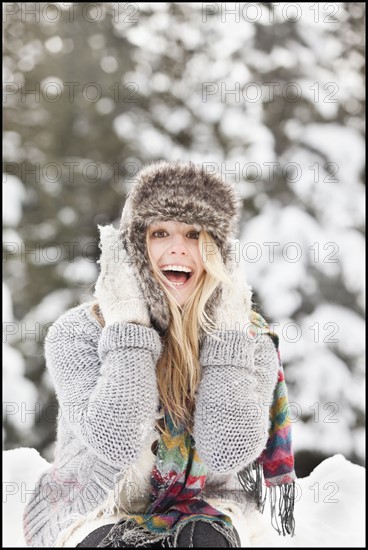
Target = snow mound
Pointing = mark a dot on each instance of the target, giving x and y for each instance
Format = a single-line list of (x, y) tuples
[(21, 470)]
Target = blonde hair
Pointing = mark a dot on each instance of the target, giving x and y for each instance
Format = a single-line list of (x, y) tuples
[(178, 370)]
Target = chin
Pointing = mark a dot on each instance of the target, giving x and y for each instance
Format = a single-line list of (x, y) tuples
[(180, 299)]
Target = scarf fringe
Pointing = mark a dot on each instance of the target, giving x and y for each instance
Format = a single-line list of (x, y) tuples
[(251, 480), (281, 497), (129, 534), (285, 495)]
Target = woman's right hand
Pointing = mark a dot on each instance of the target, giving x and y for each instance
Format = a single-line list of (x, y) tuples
[(117, 289)]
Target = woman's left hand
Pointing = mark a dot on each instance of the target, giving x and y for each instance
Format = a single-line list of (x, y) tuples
[(233, 312)]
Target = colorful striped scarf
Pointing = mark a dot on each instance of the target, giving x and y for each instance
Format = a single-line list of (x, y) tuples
[(177, 479), (277, 459), (179, 475)]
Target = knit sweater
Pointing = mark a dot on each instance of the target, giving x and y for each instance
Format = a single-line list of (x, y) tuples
[(105, 382)]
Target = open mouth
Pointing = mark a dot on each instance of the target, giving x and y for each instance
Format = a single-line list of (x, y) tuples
[(177, 278)]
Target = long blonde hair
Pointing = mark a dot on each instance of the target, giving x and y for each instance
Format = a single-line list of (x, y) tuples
[(178, 370)]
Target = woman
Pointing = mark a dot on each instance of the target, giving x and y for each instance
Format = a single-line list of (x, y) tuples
[(165, 383)]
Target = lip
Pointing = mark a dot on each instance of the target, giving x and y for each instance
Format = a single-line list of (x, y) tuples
[(181, 265), (167, 282)]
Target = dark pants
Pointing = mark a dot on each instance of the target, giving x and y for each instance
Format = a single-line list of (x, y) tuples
[(197, 534)]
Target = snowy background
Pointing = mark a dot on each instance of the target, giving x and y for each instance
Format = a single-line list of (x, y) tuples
[(269, 94)]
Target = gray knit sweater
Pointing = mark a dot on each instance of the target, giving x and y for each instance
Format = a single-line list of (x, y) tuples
[(105, 382)]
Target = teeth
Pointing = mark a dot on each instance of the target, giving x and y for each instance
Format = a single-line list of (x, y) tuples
[(176, 268)]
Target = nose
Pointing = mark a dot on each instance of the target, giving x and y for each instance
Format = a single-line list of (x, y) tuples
[(178, 246)]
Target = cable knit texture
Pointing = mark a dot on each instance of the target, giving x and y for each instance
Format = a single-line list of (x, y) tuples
[(239, 376), (106, 386)]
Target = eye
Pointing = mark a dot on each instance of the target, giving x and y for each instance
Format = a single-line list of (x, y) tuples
[(195, 233), (155, 233)]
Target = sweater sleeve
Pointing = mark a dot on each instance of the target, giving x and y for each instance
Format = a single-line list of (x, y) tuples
[(231, 419), (105, 383)]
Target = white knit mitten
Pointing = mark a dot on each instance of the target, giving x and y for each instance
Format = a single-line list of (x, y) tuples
[(233, 312), (117, 290)]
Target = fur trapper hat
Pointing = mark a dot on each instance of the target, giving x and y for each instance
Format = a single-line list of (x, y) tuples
[(183, 192)]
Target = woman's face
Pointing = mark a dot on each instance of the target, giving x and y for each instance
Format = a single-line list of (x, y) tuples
[(176, 244)]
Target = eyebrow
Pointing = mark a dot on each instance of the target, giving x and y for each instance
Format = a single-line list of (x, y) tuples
[(189, 228)]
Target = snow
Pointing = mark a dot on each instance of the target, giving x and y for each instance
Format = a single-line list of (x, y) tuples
[(278, 256), (50, 308), (13, 197), (329, 504), (322, 349), (344, 146), (19, 394), (22, 468), (329, 508), (79, 270)]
